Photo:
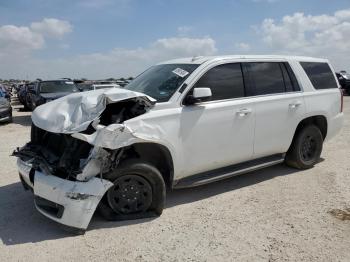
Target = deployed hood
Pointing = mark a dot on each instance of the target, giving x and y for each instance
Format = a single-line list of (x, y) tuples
[(74, 113), (54, 95)]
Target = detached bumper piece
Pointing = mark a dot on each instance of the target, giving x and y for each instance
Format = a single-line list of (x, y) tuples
[(71, 203)]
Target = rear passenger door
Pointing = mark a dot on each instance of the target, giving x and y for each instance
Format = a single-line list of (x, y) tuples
[(279, 106)]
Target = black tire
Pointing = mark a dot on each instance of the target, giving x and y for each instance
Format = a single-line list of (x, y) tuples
[(145, 178), (306, 148)]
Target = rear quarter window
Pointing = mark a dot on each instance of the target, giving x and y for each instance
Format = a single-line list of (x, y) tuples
[(320, 75)]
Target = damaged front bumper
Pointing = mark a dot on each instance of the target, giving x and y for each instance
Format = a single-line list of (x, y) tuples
[(75, 140), (71, 203)]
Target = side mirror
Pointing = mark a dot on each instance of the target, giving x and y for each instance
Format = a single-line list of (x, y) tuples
[(200, 94)]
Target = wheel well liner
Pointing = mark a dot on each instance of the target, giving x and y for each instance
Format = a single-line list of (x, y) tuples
[(159, 156), (320, 121)]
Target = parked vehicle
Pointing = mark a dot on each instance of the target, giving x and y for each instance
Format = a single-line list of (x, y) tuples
[(101, 86), (45, 91), (23, 93), (20, 93), (182, 123), (5, 92), (89, 87), (344, 81), (5, 108)]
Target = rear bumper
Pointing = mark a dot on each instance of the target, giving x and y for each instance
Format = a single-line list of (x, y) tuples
[(71, 203)]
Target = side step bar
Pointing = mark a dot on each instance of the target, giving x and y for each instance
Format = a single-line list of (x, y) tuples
[(229, 171)]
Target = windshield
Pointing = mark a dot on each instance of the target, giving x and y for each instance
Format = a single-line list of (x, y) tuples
[(161, 81), (57, 86)]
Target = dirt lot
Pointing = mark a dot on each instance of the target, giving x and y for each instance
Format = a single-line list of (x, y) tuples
[(276, 214)]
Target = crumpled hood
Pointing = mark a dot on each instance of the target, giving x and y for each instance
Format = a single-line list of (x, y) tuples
[(73, 113)]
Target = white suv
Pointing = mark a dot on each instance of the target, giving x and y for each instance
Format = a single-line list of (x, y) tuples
[(181, 123)]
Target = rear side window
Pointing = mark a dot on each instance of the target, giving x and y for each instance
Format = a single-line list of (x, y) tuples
[(320, 75), (225, 81), (267, 77)]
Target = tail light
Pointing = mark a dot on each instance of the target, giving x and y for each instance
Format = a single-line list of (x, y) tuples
[(341, 99)]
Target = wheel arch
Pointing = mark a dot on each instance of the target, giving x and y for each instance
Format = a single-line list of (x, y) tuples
[(318, 120), (157, 155)]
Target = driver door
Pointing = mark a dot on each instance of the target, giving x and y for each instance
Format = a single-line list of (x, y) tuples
[(219, 132)]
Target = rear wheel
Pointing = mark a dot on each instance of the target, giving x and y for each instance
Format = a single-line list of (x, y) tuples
[(306, 148), (138, 192)]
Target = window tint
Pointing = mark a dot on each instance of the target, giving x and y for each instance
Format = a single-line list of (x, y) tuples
[(225, 81), (320, 75), (267, 77)]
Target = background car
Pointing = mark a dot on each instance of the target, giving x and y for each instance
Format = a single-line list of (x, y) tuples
[(22, 94), (5, 108), (344, 81), (46, 91), (87, 87), (5, 92)]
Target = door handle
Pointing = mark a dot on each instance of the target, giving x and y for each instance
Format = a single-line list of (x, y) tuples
[(295, 104), (244, 111)]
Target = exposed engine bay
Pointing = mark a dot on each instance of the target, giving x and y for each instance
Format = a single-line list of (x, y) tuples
[(75, 141), (71, 155)]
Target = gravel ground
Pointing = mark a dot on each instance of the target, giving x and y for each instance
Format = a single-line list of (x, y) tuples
[(275, 214)]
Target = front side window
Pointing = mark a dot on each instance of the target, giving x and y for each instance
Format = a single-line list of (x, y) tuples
[(225, 81), (267, 77), (320, 75), (161, 81)]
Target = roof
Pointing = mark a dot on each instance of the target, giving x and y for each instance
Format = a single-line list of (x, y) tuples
[(202, 59)]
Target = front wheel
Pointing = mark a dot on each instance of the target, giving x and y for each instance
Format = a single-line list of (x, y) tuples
[(306, 148), (138, 192)]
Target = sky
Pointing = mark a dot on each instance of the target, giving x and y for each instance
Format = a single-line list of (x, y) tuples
[(98, 39)]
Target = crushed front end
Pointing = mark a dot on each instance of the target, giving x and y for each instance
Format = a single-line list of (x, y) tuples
[(74, 141), (49, 165)]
